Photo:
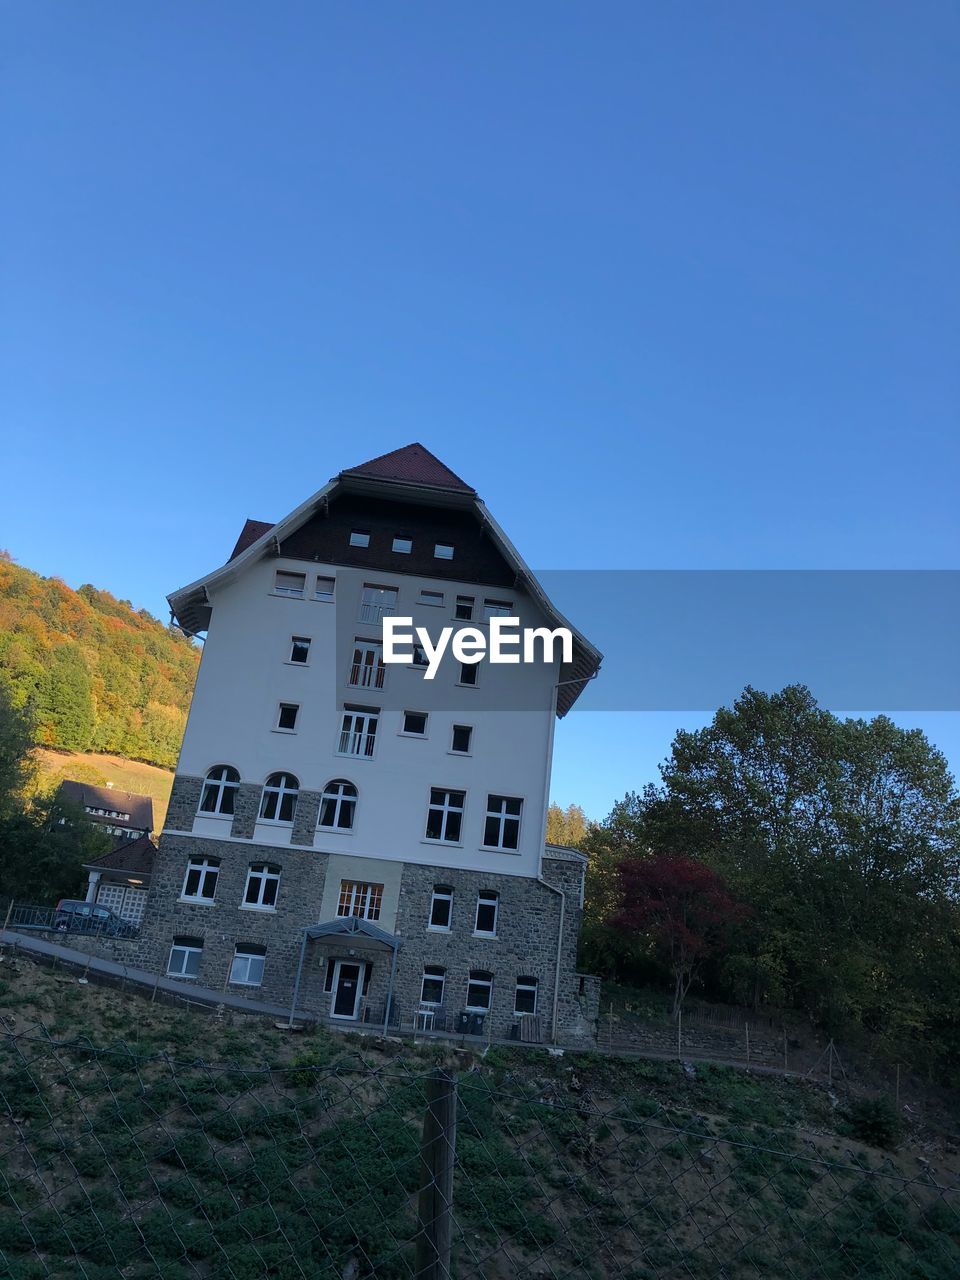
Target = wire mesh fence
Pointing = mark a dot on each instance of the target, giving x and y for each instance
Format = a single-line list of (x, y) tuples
[(118, 1163)]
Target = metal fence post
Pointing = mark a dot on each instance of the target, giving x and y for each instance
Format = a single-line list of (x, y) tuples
[(437, 1151)]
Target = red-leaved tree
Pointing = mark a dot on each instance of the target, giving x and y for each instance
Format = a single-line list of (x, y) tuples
[(683, 906)]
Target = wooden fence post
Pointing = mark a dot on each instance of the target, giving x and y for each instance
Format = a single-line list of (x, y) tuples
[(437, 1151), (746, 1028)]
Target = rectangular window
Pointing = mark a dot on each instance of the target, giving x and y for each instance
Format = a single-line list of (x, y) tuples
[(263, 884), (287, 717), (184, 961), (200, 881), (415, 723), (357, 899), (443, 551), (377, 603), (525, 1000), (462, 736), (497, 608), (324, 589), (366, 667), (420, 656), (464, 609), (445, 815), (300, 649), (360, 538), (358, 731), (247, 967), (469, 672), (441, 908), (431, 989), (403, 546), (479, 991), (290, 584), (502, 827), (488, 907), (431, 597)]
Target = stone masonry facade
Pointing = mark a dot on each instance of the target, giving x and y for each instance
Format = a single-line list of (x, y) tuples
[(528, 925)]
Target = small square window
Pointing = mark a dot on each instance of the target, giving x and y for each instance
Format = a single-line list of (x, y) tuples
[(403, 546), (431, 597), (420, 656), (300, 649), (324, 589), (415, 722), (469, 672), (464, 609), (359, 538), (462, 735), (287, 718), (290, 584), (443, 551)]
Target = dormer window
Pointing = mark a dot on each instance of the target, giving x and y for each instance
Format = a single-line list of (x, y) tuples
[(290, 584), (443, 551), (360, 538), (403, 546)]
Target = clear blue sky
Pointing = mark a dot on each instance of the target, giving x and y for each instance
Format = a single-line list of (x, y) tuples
[(672, 285)]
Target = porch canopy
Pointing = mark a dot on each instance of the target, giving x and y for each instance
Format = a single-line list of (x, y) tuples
[(344, 934)]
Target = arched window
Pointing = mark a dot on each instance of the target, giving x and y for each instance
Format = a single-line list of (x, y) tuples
[(338, 805), (279, 802), (219, 790)]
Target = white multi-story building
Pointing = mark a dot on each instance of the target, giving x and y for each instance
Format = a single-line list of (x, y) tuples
[(344, 830)]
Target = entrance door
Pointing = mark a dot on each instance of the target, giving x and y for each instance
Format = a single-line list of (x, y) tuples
[(346, 989)]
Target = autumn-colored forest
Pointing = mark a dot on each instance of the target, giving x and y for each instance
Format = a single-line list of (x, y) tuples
[(98, 674)]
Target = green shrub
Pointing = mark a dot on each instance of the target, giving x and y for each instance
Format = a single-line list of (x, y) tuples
[(873, 1121)]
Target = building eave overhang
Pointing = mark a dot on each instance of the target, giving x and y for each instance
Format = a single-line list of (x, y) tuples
[(351, 927), (191, 604)]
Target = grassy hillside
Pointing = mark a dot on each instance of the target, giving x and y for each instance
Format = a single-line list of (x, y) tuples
[(124, 1154), (88, 766), (98, 674)]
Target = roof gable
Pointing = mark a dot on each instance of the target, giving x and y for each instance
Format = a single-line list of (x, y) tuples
[(412, 464)]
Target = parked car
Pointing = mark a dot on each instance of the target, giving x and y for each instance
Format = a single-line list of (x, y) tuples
[(87, 917)]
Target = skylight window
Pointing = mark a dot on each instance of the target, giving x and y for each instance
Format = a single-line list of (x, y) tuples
[(359, 538), (443, 551), (403, 546)]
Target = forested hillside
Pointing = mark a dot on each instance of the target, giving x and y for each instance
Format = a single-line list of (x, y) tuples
[(98, 674)]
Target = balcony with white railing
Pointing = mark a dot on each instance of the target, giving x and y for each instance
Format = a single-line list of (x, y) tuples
[(375, 611), (366, 675), (356, 742)]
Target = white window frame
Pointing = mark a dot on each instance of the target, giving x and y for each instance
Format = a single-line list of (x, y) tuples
[(367, 668), (206, 867), (266, 873), (323, 594), (443, 551), (447, 809), (475, 980), (221, 785), (455, 751), (361, 732), (526, 982), (365, 899), (474, 681), (412, 733), (497, 609), (430, 597), (467, 602), (378, 601), (300, 642), (402, 546), (334, 793), (433, 973), (287, 589), (243, 963), (359, 537), (441, 893), (486, 898), (284, 706), (187, 950), (281, 790), (501, 816)]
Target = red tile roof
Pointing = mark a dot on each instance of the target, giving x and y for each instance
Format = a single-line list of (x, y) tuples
[(251, 531), (413, 464), (134, 856)]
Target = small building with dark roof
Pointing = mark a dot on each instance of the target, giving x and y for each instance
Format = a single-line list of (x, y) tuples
[(120, 879), (118, 813)]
